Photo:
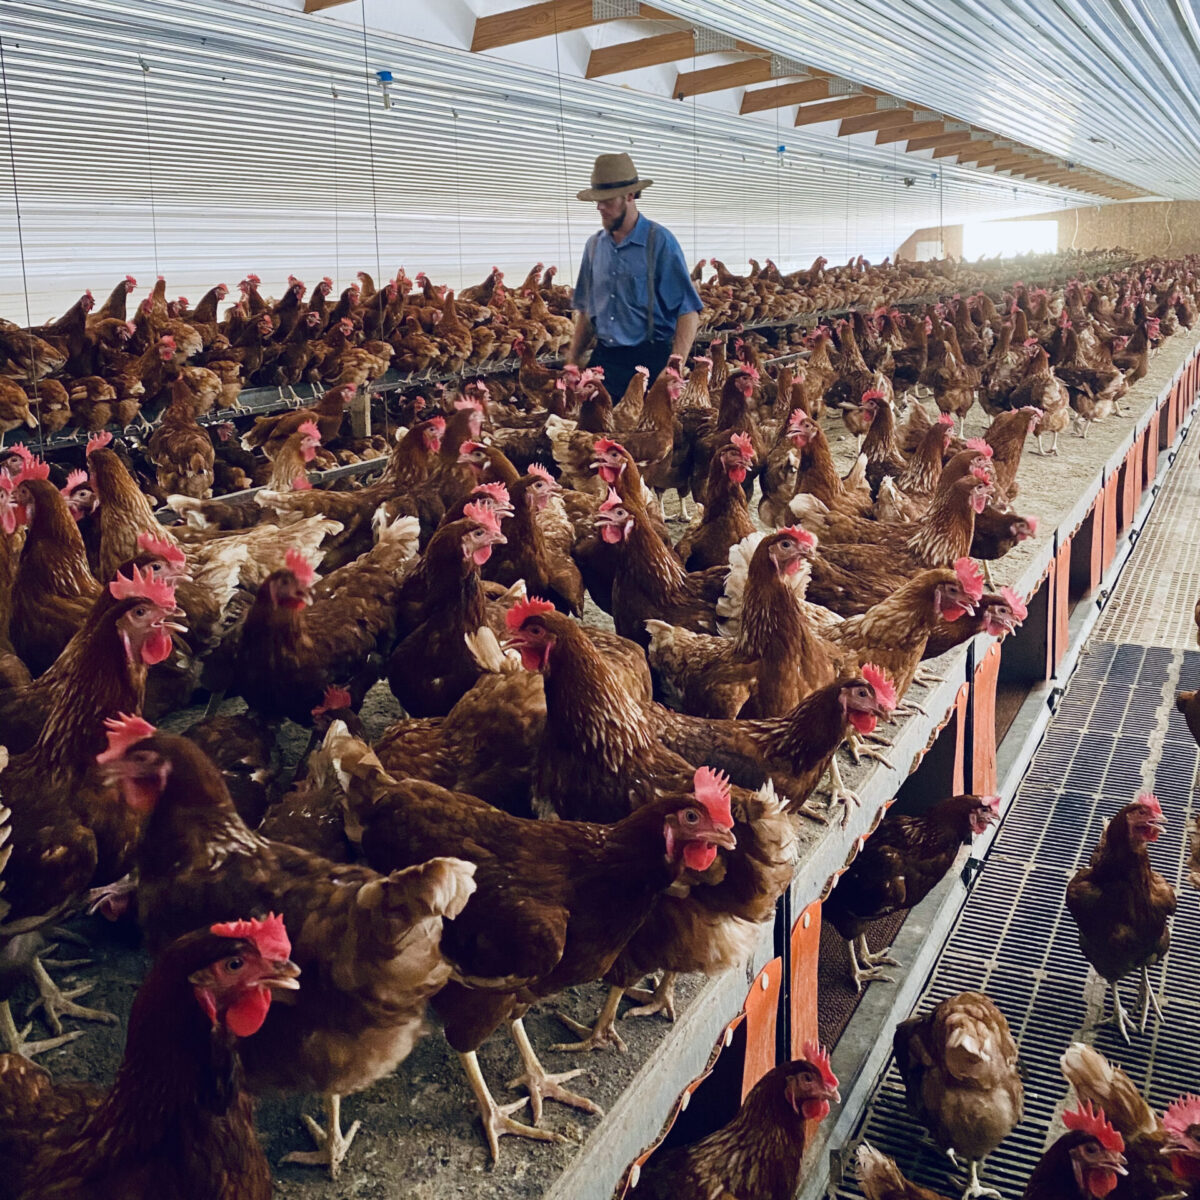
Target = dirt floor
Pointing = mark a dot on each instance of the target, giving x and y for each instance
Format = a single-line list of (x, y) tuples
[(420, 1136)]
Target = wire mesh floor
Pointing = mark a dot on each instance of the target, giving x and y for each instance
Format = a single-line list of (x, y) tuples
[(1116, 733)]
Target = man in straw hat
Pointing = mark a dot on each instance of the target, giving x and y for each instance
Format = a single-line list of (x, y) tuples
[(633, 293)]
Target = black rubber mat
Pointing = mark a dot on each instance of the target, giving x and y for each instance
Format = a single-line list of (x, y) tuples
[(1014, 938)]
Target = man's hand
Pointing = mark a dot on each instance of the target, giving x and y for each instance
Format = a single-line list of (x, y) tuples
[(686, 329), (581, 337)]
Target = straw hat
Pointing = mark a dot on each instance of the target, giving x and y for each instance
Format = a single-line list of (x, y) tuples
[(613, 175)]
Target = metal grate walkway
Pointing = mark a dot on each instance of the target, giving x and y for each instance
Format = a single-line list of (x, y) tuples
[(1116, 732)]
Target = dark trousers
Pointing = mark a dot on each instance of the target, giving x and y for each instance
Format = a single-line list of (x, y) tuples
[(620, 362)]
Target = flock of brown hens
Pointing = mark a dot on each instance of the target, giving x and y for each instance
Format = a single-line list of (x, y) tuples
[(567, 798)]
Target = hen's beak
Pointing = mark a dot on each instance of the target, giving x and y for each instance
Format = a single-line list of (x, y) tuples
[(719, 836), (284, 977)]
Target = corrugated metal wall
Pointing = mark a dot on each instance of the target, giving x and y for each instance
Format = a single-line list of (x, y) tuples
[(1114, 84), (204, 139)]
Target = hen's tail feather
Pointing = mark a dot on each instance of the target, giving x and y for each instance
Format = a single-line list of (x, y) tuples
[(1095, 1079)]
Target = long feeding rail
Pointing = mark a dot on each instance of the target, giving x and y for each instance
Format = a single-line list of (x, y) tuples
[(264, 401)]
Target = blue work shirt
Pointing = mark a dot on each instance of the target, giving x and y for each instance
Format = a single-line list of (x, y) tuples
[(612, 286)]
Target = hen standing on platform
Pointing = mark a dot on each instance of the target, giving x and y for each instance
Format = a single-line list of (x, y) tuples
[(633, 293)]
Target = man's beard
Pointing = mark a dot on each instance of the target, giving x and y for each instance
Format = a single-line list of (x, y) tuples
[(613, 223)]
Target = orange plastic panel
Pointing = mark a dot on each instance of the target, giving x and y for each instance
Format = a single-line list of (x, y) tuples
[(960, 738), (1150, 460), (1172, 411), (1111, 500), (1131, 490), (1060, 599), (983, 724), (762, 1011), (1097, 541), (806, 952)]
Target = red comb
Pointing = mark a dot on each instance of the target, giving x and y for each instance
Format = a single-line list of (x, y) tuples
[(143, 586), (541, 472), (97, 440), (1093, 1121), (21, 450), (744, 445), (335, 698), (712, 790), (1032, 522), (1147, 800), (885, 690), (299, 566), (468, 402), (156, 545), (470, 447), (611, 501), (970, 576), (606, 446), (520, 612), (309, 429), (268, 935), (982, 474), (438, 423), (819, 1057), (1182, 1115), (123, 731), (74, 479), (946, 419), (1014, 601), (497, 492), (803, 536), (980, 447), (483, 515), (34, 468), (873, 394)]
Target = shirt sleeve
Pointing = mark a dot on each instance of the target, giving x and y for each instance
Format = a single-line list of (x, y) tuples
[(582, 296), (673, 281)]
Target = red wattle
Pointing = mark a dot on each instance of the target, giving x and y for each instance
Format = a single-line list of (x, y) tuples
[(952, 612), (864, 722), (815, 1110), (699, 856), (610, 475), (611, 534), (738, 474), (1100, 1183), (482, 555), (247, 1015), (157, 648)]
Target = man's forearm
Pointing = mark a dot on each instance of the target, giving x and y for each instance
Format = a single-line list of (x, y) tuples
[(686, 329), (580, 338)]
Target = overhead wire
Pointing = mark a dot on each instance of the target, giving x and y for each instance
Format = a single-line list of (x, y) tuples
[(562, 139), (149, 158)]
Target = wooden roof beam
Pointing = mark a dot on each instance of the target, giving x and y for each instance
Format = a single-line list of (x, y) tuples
[(901, 133), (784, 95), (955, 151), (835, 110), (537, 21), (936, 140), (884, 118), (719, 79), (648, 52)]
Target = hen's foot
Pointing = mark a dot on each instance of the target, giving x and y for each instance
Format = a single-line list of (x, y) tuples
[(113, 899), (976, 1189), (602, 1036), (926, 678), (55, 1003), (866, 967), (13, 1039), (859, 750), (540, 1084), (331, 1145), (1119, 1017), (661, 1000), (841, 798), (496, 1118), (1147, 1000)]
